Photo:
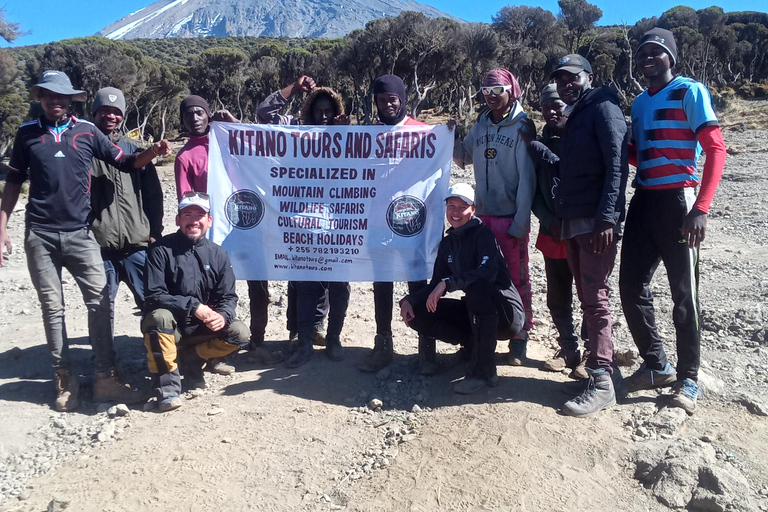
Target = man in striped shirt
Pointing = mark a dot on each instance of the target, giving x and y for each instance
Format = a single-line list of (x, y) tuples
[(672, 122)]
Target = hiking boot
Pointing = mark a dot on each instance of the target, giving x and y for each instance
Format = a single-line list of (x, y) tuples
[(67, 390), (428, 356), (597, 395), (381, 356), (644, 378), (461, 356), (320, 337), (625, 357), (517, 350), (580, 372), (260, 355), (219, 367), (108, 388), (191, 368), (169, 404), (562, 360), (469, 385), (302, 355), (333, 348), (684, 396)]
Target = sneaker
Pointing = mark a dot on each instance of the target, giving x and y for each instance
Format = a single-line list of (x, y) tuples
[(67, 390), (108, 388), (333, 348), (219, 367), (169, 404), (469, 385), (580, 372), (260, 355), (517, 350), (644, 378), (562, 360), (381, 356), (597, 395), (684, 396), (301, 357)]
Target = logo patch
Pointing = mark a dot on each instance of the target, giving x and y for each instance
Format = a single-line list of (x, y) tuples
[(60, 155), (112, 98), (406, 216), (490, 153), (244, 209), (563, 61)]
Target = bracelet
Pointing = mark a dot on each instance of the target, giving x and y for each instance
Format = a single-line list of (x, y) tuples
[(154, 150)]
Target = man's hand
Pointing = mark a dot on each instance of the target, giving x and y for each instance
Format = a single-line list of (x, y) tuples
[(451, 124), (303, 84), (527, 131), (5, 243), (341, 120), (210, 317), (602, 240), (162, 148), (695, 227), (224, 116), (435, 296), (556, 228), (406, 312)]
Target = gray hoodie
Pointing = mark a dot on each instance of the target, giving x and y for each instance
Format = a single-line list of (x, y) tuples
[(504, 172)]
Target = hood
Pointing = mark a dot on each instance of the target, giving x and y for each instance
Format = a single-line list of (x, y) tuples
[(306, 108), (514, 116), (597, 95)]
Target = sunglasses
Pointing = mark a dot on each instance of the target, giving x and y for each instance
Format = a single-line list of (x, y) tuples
[(192, 193), (496, 89)]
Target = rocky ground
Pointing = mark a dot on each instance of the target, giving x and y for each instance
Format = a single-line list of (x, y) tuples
[(327, 437)]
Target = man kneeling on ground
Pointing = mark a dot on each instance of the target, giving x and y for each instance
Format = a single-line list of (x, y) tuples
[(190, 304), (468, 259)]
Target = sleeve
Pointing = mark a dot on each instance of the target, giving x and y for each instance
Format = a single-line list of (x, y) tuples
[(711, 139), (156, 294), (152, 200), (611, 130), (19, 162), (183, 175), (224, 296), (461, 155), (543, 158), (268, 111), (486, 261), (106, 151), (697, 104), (526, 189)]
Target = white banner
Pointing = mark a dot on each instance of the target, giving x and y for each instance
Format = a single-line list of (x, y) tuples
[(336, 203)]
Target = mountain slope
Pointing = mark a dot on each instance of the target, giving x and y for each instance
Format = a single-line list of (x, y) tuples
[(292, 18)]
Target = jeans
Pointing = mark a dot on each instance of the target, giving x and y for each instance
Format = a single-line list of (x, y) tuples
[(128, 268), (78, 252), (560, 301), (321, 307), (307, 293)]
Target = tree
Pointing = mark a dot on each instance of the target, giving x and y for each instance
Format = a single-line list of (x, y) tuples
[(8, 31), (579, 17)]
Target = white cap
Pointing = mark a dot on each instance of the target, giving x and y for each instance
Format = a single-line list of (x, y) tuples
[(195, 199), (463, 191)]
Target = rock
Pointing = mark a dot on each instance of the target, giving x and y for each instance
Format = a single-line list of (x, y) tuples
[(103, 407), (384, 373), (626, 357), (668, 420), (215, 411), (107, 432), (60, 423), (753, 404), (710, 384), (57, 505), (226, 440), (720, 489), (375, 403), (122, 410), (194, 393), (416, 409), (112, 411)]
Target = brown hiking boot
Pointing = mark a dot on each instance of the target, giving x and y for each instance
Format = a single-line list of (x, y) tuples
[(261, 355), (67, 390), (562, 360), (319, 339), (108, 388), (580, 372), (219, 367), (381, 356)]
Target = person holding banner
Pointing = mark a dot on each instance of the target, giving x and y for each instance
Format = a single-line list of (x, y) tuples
[(506, 184), (310, 301), (390, 97), (190, 306), (468, 259), (191, 169)]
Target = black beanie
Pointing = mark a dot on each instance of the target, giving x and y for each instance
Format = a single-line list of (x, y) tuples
[(193, 101), (663, 38), (391, 84)]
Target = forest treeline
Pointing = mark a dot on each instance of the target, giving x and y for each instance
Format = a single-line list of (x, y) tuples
[(442, 62)]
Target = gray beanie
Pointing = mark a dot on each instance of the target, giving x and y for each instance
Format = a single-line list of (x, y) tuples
[(549, 93), (109, 97)]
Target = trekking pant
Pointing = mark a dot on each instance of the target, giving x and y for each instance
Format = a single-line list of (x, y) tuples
[(322, 305), (653, 233), (128, 268), (307, 293), (258, 294), (383, 302), (77, 251), (163, 340), (560, 301)]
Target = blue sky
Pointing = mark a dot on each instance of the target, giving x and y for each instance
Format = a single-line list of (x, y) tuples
[(52, 20)]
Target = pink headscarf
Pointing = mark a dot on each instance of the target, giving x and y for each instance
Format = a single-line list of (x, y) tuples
[(501, 76)]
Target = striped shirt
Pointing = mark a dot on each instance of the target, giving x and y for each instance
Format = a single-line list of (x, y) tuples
[(664, 128)]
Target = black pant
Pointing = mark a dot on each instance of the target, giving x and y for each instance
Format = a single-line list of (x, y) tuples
[(258, 294), (653, 234), (307, 293), (560, 301), (452, 323), (321, 307), (383, 303)]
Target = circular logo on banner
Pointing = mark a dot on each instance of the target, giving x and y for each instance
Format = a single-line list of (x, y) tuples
[(407, 215), (244, 209)]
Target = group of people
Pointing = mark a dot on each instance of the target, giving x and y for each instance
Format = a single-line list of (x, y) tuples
[(95, 208)]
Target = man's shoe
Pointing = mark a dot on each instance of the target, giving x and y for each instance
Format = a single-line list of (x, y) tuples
[(319, 339), (191, 382), (597, 395), (562, 360), (302, 356), (169, 404), (260, 355), (684, 396), (381, 356), (333, 348), (580, 372), (517, 350), (644, 378), (108, 388), (469, 385), (218, 366), (67, 391)]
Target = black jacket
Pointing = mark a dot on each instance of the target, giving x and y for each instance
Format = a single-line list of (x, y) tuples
[(544, 154), (593, 160), (181, 274), (466, 255)]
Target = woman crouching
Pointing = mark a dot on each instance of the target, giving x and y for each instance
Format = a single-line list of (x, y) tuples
[(468, 259)]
